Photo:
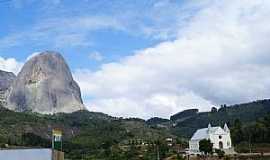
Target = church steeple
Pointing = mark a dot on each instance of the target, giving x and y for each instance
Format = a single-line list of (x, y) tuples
[(226, 128), (209, 127)]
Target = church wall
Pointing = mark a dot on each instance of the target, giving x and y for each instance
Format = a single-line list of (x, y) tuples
[(194, 145), (224, 138)]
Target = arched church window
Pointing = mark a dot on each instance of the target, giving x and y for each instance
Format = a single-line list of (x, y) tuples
[(220, 137)]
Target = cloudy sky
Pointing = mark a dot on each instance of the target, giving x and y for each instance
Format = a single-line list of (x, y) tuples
[(137, 58)]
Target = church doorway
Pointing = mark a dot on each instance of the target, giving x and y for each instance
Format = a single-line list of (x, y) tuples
[(220, 145)]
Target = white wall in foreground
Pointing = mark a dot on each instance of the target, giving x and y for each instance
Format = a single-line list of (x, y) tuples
[(26, 154)]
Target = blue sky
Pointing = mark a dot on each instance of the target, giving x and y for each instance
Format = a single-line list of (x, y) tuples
[(147, 58), (112, 29)]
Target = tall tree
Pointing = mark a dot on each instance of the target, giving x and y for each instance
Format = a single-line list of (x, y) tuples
[(206, 146)]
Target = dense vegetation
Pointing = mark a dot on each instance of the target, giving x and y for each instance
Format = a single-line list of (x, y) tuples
[(184, 114), (247, 137)]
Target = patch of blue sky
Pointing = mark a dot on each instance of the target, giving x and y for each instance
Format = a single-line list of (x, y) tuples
[(113, 28)]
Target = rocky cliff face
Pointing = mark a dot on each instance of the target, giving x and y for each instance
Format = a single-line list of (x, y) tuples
[(45, 85), (6, 79)]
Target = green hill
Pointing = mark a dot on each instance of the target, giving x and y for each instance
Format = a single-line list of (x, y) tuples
[(85, 133)]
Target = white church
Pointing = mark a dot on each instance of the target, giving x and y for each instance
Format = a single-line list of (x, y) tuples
[(220, 137)]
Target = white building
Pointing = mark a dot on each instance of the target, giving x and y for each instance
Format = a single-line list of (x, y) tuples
[(220, 137)]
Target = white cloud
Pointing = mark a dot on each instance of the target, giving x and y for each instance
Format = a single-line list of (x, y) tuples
[(13, 65), (221, 55), (32, 55), (10, 65)]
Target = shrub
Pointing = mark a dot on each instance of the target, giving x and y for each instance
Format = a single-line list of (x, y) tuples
[(220, 153)]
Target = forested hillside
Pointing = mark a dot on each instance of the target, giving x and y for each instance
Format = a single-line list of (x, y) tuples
[(186, 124), (86, 133)]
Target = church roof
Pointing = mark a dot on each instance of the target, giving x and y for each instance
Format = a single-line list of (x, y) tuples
[(200, 134), (203, 133)]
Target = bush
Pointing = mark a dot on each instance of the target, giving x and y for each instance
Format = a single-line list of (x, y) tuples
[(242, 147), (220, 153), (180, 157), (227, 158)]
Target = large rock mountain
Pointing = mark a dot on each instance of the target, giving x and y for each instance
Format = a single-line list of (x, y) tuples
[(45, 85)]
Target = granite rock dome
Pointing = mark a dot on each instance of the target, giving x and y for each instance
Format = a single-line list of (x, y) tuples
[(45, 85)]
